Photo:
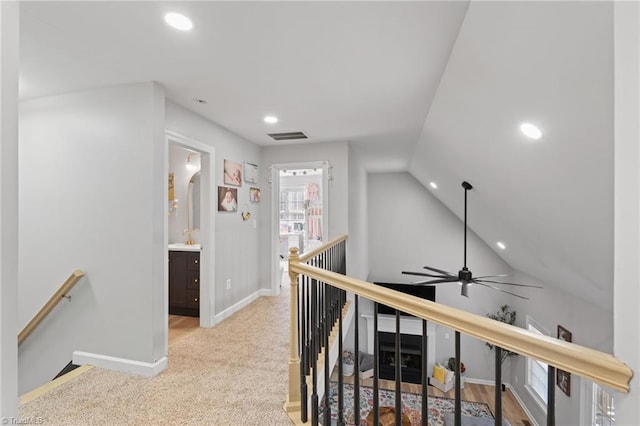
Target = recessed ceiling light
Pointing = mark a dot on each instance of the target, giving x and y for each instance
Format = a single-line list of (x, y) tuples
[(178, 21), (270, 119), (530, 131), (501, 245), (433, 185)]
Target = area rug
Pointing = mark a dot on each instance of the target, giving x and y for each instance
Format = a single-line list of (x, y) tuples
[(411, 405)]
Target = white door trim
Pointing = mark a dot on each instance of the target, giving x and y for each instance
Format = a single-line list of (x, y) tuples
[(208, 206), (275, 211)]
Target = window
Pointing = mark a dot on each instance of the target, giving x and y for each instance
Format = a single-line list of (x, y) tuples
[(603, 413), (536, 370)]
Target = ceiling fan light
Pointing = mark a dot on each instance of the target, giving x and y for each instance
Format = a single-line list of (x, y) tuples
[(531, 131), (465, 290)]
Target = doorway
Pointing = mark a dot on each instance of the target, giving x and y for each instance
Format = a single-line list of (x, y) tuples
[(300, 214), (190, 229)]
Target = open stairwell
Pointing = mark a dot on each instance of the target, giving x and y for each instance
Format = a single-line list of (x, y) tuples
[(320, 286)]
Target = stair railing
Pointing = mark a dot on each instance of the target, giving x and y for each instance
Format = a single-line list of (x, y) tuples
[(62, 292), (597, 366), (314, 312)]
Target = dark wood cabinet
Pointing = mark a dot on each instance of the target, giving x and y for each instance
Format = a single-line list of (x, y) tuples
[(184, 283)]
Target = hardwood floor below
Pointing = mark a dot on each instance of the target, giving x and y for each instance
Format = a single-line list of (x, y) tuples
[(180, 326), (511, 409)]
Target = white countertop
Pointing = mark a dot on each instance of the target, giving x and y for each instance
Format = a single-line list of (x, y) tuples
[(184, 247)]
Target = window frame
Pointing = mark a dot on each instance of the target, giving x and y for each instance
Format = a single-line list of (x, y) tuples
[(541, 399), (599, 395)]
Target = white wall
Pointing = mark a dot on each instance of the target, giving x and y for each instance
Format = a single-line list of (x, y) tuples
[(410, 228), (91, 186), (590, 325), (236, 241), (9, 58), (358, 243), (336, 154), (627, 202)]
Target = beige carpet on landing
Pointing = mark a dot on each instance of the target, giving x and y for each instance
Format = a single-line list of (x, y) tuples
[(232, 374)]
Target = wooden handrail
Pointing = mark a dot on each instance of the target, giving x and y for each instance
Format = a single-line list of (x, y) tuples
[(597, 366), (306, 256), (48, 307)]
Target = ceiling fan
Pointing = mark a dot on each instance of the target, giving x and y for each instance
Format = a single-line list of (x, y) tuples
[(464, 276)]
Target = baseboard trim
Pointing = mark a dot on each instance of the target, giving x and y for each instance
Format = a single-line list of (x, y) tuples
[(481, 381), (241, 304), (524, 406), (139, 368)]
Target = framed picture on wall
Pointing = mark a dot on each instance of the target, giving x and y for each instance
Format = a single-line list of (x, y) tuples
[(254, 195), (563, 378), (232, 173), (250, 173), (227, 199)]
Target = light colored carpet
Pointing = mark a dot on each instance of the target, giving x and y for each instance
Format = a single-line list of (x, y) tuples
[(232, 374)]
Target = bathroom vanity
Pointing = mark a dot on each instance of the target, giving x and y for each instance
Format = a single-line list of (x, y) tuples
[(184, 279)]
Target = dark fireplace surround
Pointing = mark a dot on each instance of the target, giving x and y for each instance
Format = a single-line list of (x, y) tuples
[(410, 345), (410, 356)]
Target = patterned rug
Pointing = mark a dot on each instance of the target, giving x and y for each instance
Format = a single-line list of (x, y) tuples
[(411, 405)]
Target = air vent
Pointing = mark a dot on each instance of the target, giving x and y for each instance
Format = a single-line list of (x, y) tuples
[(288, 136)]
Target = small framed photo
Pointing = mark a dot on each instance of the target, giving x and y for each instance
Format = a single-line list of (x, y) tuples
[(232, 173), (563, 378), (250, 173), (227, 199), (254, 195)]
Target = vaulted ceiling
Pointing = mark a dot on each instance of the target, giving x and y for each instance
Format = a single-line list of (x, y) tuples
[(435, 88)]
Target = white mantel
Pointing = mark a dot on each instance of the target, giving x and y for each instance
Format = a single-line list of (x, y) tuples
[(408, 325)]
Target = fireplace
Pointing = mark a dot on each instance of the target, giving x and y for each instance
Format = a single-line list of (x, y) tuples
[(410, 356), (410, 339)]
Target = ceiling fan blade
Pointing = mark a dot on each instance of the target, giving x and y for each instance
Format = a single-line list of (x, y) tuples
[(499, 289), (494, 276), (439, 270), (516, 284), (442, 281), (422, 274)]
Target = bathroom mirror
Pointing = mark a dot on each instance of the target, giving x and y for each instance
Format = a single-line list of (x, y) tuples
[(193, 201)]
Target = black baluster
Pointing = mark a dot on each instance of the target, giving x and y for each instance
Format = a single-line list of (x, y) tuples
[(356, 365), (551, 396), (331, 265), (327, 407), (458, 401), (299, 319), (314, 359), (309, 326), (425, 375), (376, 368), (340, 373), (321, 316), (398, 371), (498, 394), (304, 362), (334, 306)]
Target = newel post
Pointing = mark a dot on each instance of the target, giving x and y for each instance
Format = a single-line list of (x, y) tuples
[(293, 397)]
